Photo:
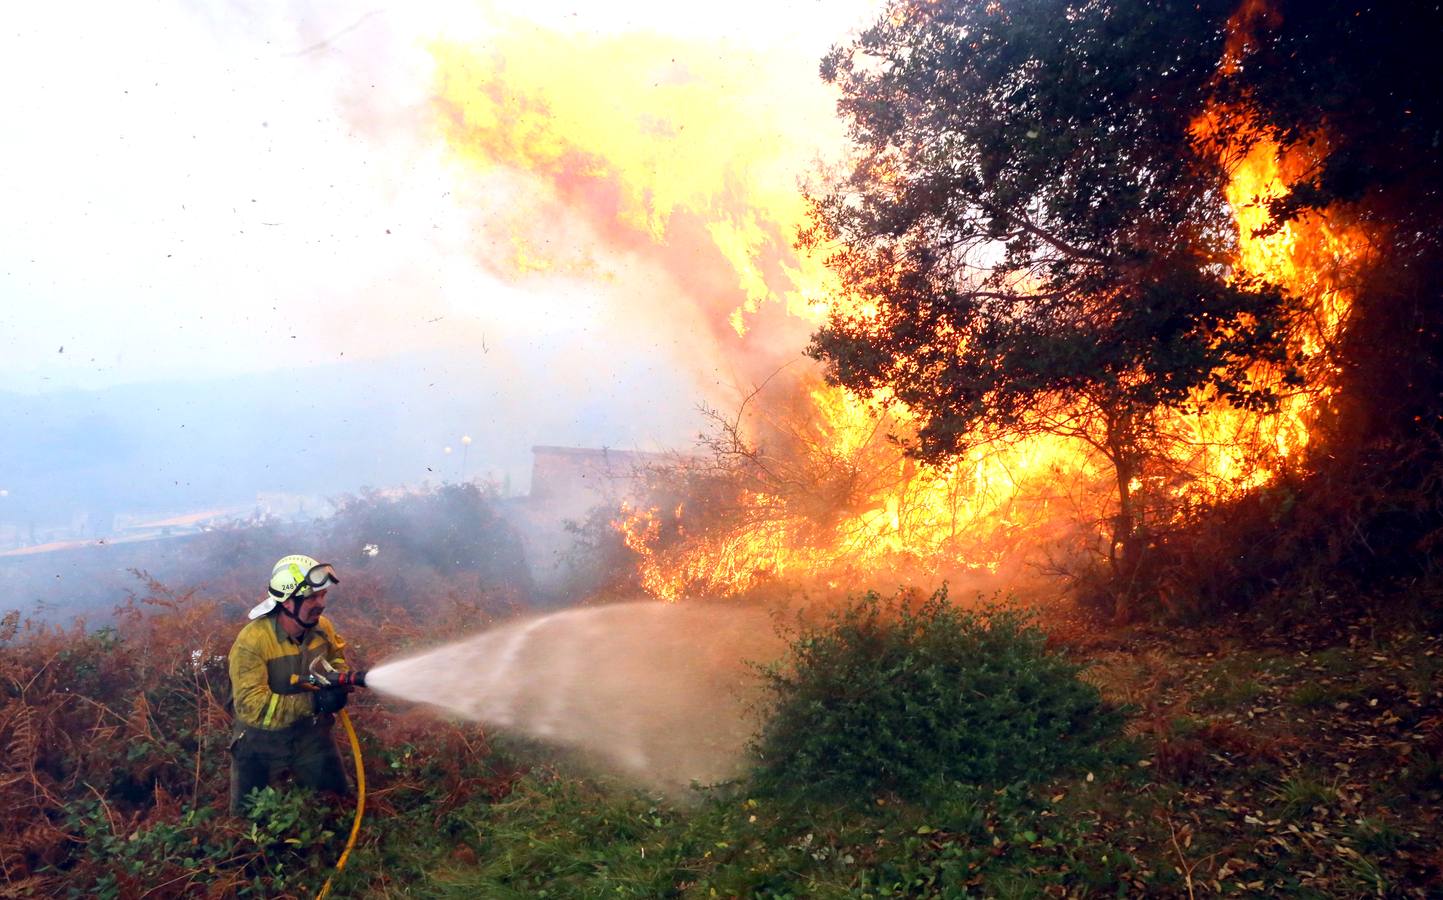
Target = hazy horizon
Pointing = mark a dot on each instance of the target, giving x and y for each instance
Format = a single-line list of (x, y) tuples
[(324, 430), (240, 253)]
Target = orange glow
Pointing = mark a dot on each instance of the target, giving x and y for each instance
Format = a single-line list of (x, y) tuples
[(689, 159), (683, 153), (1314, 259)]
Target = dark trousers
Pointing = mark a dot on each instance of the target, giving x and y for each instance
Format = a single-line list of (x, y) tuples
[(305, 750)]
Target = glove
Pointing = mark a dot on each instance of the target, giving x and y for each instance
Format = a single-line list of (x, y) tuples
[(329, 699)]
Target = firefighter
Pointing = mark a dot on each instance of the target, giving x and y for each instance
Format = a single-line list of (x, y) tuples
[(284, 666)]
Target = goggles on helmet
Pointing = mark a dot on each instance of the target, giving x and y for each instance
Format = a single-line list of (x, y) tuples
[(320, 575), (316, 579)]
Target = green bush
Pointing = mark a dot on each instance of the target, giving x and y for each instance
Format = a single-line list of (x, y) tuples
[(900, 694), (284, 844)]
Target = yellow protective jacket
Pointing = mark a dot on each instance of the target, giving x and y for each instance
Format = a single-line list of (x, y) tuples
[(263, 660)]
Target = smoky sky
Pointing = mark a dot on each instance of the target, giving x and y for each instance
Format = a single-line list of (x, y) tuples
[(321, 430), (237, 258)]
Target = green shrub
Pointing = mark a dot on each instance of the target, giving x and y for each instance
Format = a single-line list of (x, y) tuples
[(284, 844), (898, 694)]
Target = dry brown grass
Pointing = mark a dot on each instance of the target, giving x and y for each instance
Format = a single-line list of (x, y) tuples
[(132, 719)]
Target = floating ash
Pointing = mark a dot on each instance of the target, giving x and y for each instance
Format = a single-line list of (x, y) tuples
[(660, 692)]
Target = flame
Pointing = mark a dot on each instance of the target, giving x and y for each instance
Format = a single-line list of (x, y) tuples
[(848, 503), (682, 153), (688, 158), (1314, 258)]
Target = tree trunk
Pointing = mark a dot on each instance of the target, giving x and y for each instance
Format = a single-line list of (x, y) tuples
[(1126, 543)]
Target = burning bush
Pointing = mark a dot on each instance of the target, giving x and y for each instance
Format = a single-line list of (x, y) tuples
[(897, 694)]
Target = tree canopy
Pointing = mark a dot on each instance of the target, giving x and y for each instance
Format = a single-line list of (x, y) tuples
[(1033, 237), (1030, 219)]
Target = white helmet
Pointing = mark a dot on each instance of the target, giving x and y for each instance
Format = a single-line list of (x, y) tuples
[(295, 576)]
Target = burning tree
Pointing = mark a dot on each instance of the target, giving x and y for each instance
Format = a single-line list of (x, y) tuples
[(808, 483), (1038, 235), (1111, 269), (1040, 245)]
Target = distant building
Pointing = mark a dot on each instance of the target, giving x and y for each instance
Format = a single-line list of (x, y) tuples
[(567, 484)]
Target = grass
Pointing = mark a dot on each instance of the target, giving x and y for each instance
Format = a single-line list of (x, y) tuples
[(1375, 836), (562, 840), (1313, 695), (1425, 674), (1300, 794), (1334, 660), (1279, 792), (1235, 683), (1251, 766)]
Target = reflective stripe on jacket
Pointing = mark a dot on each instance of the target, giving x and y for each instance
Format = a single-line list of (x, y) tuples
[(263, 660)]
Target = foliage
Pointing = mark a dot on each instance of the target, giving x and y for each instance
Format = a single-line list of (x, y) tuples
[(115, 776), (896, 696), (1206, 808), (558, 838), (554, 837), (1036, 239), (1362, 76), (410, 560), (775, 475), (1036, 234), (1365, 523), (277, 851), (116, 771), (598, 562), (1030, 215), (453, 529)]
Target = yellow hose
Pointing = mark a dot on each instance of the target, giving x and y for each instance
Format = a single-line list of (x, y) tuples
[(360, 804)]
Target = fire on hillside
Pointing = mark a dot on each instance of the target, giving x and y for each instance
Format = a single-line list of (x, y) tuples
[(688, 173)]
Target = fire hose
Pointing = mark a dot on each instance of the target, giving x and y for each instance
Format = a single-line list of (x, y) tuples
[(326, 677), (360, 804)]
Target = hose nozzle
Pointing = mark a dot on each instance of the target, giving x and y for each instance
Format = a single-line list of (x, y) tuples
[(324, 674), (355, 679)]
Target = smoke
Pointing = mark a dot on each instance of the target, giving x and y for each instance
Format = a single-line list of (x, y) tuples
[(657, 692), (343, 270)]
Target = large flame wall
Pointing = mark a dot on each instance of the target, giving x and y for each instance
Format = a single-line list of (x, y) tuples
[(687, 160)]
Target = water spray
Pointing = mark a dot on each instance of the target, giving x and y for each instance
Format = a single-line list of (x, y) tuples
[(657, 693), (652, 691)]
